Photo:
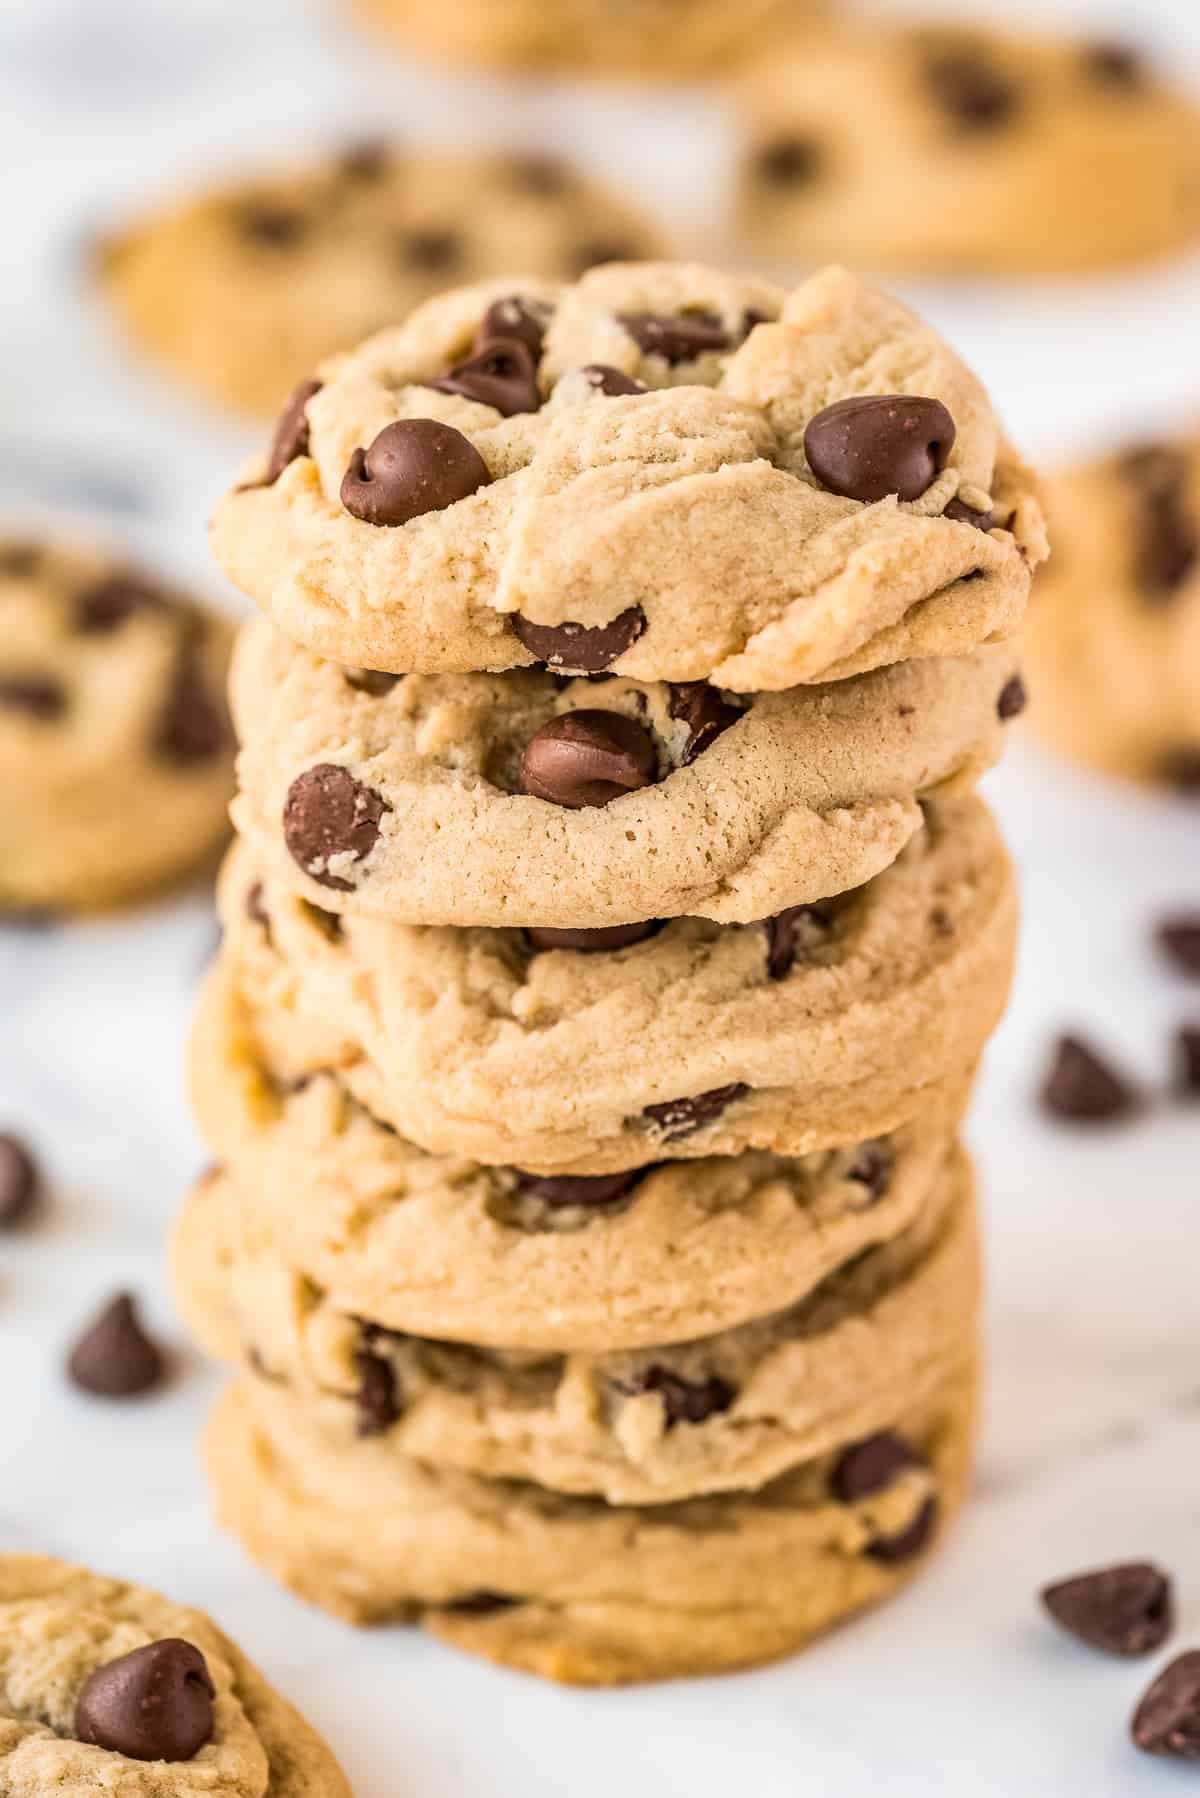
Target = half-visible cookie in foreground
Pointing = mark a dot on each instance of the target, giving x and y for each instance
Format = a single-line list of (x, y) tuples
[(108, 1688), (826, 1025), (648, 38), (1114, 638), (533, 799), (647, 1426), (663, 472), (962, 149), (116, 756), (572, 1588), (245, 288)]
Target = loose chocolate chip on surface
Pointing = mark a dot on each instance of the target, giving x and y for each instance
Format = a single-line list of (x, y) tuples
[(879, 444), (105, 605), (114, 1358), (975, 95), (561, 1191), (684, 1401), (432, 251), (1187, 1062), (789, 161), (613, 382), (676, 336), (588, 758), (961, 514), (378, 1398), (1115, 65), (1167, 1721), (155, 1704), (291, 431), (871, 1466), (791, 931), (35, 695), (701, 707), (581, 648), (1179, 940), (592, 942), (1013, 699), (273, 227), (18, 1181), (683, 1117), (373, 681), (329, 815), (513, 317), (1084, 1089), (414, 466), (503, 375), (1126, 1610), (194, 727)]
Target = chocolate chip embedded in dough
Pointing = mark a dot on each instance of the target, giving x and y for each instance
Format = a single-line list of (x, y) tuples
[(789, 161), (974, 94), (588, 758), (704, 711), (683, 1401), (606, 938), (37, 696), (676, 336), (330, 817), (502, 375), (614, 383), (1012, 700), (414, 466), (565, 1191), (581, 648), (378, 1396), (153, 1704), (373, 681), (107, 603), (964, 514), (868, 1468), (430, 250), (1116, 65), (875, 445), (269, 225), (194, 727), (291, 431), (791, 933), (514, 317), (677, 1118)]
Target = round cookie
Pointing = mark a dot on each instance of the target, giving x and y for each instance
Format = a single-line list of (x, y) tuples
[(655, 38), (811, 486), (116, 756), (649, 1426), (245, 288), (534, 799), (574, 1589), (826, 1026), (962, 149), (61, 1627), (1115, 627)]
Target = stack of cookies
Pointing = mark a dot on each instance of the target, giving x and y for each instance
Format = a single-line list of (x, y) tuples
[(611, 942)]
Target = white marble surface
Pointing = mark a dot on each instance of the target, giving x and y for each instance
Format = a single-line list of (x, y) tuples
[(1093, 1432)]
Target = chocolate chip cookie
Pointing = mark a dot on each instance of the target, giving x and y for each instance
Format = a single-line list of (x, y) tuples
[(957, 149), (1115, 630), (105, 1687), (116, 755), (245, 289), (663, 472)]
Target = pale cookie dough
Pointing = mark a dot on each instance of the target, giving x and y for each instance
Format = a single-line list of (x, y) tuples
[(682, 527), (653, 38), (245, 288), (960, 150), (60, 1624), (116, 756), (557, 1061), (574, 1589), (1115, 626), (730, 1411), (437, 1245), (403, 799)]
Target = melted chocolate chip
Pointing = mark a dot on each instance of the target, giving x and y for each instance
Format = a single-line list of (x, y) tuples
[(291, 431), (413, 466), (114, 1358), (154, 1704), (431, 251), (563, 1191), (789, 161), (613, 382), (581, 648), (591, 942), (705, 713), (963, 514), (676, 336), (684, 1401), (503, 375), (588, 758), (38, 696), (194, 727), (792, 931), (677, 1118), (1167, 1721), (373, 681), (377, 1399), (328, 816), (1125, 1610), (1012, 700), (976, 96), (18, 1181), (879, 444), (107, 603), (514, 318), (1083, 1089)]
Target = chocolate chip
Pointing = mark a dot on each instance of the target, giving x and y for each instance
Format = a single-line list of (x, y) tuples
[(480, 1604), (1187, 1062), (1180, 769), (1013, 699), (1115, 65), (378, 1397), (105, 605), (18, 561), (513, 317), (272, 226), (564, 1191), (540, 173), (677, 1118), (581, 648), (366, 161), (588, 758), (878, 444), (676, 336), (963, 514), (414, 466), (1082, 1088), (114, 1358), (330, 926), (1179, 940), (38, 696), (901, 1545), (18, 1181), (327, 816), (256, 909), (705, 713), (594, 252), (372, 681), (431, 251), (194, 727), (291, 432), (503, 375), (1169, 550), (871, 1466), (872, 1168), (789, 931), (154, 1704), (684, 1401), (613, 382), (976, 96), (1167, 1721), (592, 942), (1126, 1610), (789, 161)]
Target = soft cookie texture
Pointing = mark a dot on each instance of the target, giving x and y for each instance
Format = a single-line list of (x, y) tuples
[(736, 522), (1115, 628), (824, 1027), (116, 755), (643, 1426), (424, 800), (245, 288), (959, 149), (61, 1628), (572, 1588)]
